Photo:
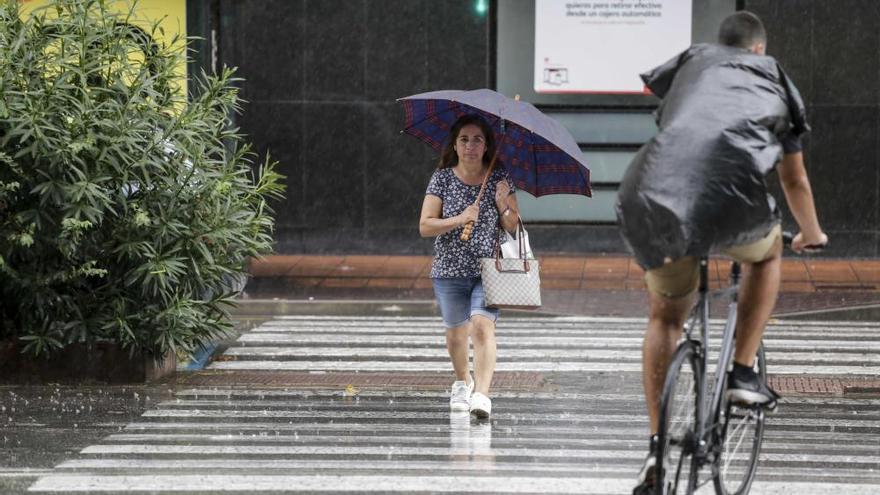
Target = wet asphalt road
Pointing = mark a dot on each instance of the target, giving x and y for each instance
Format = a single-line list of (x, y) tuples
[(582, 430), (42, 425)]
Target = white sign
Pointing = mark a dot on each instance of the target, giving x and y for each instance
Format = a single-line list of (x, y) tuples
[(603, 46)]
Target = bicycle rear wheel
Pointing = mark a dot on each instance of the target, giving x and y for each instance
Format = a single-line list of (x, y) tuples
[(739, 442), (676, 469)]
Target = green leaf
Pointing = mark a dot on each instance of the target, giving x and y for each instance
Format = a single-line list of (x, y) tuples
[(127, 203)]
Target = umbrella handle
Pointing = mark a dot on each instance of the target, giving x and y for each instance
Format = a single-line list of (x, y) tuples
[(466, 231), (468, 228)]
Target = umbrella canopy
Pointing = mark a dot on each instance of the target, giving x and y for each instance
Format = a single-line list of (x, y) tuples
[(540, 155)]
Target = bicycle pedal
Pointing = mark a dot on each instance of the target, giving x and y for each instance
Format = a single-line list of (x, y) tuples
[(748, 411)]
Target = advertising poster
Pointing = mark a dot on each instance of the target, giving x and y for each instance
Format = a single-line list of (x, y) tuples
[(603, 46)]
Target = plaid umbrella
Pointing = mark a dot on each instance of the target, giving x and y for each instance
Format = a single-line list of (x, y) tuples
[(539, 154)]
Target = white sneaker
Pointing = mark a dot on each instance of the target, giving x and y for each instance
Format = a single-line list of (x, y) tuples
[(481, 406), (460, 399)]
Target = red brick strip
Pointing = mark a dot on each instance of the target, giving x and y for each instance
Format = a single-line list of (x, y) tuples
[(557, 271), (825, 386), (805, 385)]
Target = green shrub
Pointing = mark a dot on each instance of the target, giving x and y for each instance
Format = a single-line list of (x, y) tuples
[(126, 213)]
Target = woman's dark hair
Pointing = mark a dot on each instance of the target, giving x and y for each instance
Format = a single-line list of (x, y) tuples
[(449, 158), (742, 29)]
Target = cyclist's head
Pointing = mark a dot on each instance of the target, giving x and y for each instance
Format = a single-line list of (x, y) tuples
[(743, 29)]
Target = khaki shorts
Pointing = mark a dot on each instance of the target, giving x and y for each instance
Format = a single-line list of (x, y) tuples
[(682, 276)]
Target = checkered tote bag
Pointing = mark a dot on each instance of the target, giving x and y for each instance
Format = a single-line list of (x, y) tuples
[(513, 283)]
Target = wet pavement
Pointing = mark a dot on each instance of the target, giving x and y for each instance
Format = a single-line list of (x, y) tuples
[(43, 425), (567, 415)]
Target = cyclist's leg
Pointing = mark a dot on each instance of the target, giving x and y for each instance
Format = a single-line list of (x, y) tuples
[(670, 294), (671, 290), (758, 292)]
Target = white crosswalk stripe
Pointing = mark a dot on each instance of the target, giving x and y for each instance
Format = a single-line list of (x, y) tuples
[(584, 434)]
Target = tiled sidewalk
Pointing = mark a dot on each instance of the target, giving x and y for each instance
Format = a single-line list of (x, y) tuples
[(588, 286), (618, 273)]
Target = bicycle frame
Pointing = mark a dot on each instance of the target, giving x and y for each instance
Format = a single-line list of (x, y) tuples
[(709, 419), (723, 435)]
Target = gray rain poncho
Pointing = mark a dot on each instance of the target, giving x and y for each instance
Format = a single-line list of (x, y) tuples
[(699, 184)]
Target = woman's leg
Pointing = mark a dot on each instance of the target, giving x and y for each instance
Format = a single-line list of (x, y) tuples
[(453, 297), (483, 336), (457, 346)]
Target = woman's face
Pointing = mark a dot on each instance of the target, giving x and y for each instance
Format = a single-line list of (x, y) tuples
[(470, 145)]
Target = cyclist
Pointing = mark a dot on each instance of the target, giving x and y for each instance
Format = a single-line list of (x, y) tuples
[(728, 116)]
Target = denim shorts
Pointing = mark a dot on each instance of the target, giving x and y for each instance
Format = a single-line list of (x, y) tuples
[(461, 298)]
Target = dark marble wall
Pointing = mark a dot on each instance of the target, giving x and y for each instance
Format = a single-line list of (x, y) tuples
[(831, 49), (322, 77)]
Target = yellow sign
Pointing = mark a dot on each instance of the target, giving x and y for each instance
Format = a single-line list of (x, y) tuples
[(170, 14)]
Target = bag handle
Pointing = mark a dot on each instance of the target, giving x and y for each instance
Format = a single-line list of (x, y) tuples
[(520, 238), (520, 235)]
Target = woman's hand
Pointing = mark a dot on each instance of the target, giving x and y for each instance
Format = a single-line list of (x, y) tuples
[(502, 191), (470, 214)]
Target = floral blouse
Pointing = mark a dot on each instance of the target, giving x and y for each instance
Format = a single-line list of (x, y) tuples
[(455, 258)]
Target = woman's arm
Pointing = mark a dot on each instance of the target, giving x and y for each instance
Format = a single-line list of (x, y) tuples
[(508, 208), (431, 224)]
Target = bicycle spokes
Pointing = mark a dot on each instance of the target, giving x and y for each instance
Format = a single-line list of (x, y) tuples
[(741, 441), (677, 422)]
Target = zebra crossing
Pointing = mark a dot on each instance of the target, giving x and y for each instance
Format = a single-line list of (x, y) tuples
[(584, 432)]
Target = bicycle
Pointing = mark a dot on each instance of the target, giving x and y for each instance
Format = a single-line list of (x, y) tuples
[(698, 429)]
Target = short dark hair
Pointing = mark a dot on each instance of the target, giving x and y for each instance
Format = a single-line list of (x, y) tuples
[(742, 29), (448, 156)]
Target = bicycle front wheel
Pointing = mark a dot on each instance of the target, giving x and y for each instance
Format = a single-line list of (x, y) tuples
[(740, 438), (676, 469)]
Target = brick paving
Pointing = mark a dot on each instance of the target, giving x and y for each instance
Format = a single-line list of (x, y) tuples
[(583, 285), (563, 272), (787, 385)]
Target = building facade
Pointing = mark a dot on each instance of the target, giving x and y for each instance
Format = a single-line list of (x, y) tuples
[(321, 78)]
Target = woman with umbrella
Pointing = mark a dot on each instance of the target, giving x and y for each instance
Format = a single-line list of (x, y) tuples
[(541, 158), (453, 205)]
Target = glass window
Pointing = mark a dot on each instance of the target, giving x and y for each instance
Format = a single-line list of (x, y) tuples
[(568, 207), (595, 128)]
